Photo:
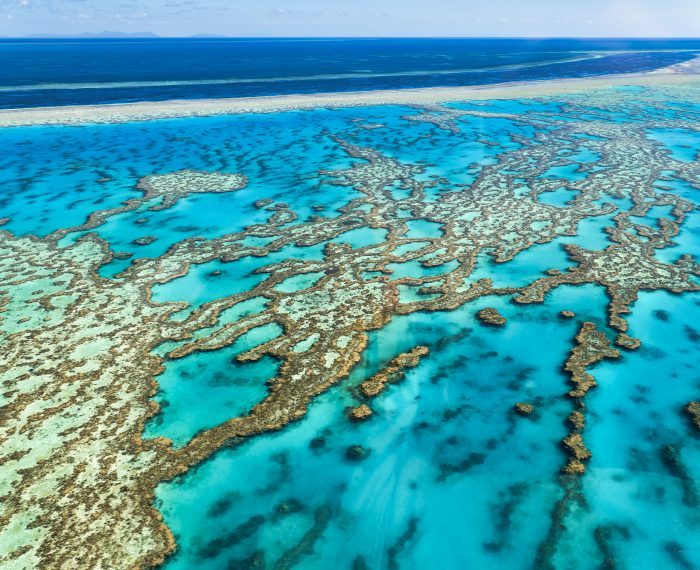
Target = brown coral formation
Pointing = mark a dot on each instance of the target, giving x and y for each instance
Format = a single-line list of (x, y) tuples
[(592, 346), (76, 384), (523, 408), (393, 372), (693, 410), (491, 316), (577, 450), (567, 314), (361, 412), (577, 420), (625, 341), (145, 240), (170, 188)]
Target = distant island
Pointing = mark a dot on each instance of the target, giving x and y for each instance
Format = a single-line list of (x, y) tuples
[(106, 35), (94, 35)]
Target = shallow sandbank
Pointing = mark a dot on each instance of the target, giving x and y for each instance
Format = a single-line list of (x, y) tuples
[(125, 112)]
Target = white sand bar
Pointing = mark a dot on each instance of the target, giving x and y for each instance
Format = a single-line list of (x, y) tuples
[(685, 74)]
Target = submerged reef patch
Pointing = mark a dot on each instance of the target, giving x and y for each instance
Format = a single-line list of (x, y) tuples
[(491, 316), (394, 371), (693, 410), (592, 347)]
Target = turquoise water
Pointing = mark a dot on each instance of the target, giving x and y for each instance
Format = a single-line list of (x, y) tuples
[(630, 486), (204, 389), (561, 197), (445, 475), (566, 172), (445, 454), (683, 143)]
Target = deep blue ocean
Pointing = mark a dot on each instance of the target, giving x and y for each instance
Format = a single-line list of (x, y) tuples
[(48, 72)]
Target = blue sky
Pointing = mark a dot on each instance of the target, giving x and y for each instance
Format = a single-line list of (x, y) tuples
[(665, 18)]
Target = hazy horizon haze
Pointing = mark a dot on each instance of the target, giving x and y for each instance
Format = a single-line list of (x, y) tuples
[(383, 18)]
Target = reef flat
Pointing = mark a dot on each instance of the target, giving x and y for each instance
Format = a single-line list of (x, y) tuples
[(195, 313), (682, 74)]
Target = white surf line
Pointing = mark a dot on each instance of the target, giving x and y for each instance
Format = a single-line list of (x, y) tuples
[(153, 110), (291, 78), (584, 56), (686, 67)]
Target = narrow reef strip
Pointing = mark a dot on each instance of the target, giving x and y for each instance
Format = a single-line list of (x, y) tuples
[(393, 372)]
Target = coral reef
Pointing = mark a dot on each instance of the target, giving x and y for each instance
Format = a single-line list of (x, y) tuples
[(174, 186), (693, 410), (393, 372), (567, 314), (625, 341), (145, 240), (523, 408), (361, 412), (491, 316), (592, 346), (77, 368)]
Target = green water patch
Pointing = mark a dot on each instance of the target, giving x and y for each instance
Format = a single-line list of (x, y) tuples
[(682, 188), (209, 281), (399, 191), (416, 270), (414, 293), (631, 89), (534, 262), (686, 242), (581, 155), (307, 343), (227, 316), (216, 279), (405, 248), (591, 233), (257, 241), (653, 215)]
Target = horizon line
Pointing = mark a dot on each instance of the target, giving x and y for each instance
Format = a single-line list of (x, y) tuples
[(154, 36)]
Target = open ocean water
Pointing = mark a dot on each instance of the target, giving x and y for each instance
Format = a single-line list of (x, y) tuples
[(48, 72)]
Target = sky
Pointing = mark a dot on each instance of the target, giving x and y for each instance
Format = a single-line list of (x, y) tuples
[(530, 18)]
